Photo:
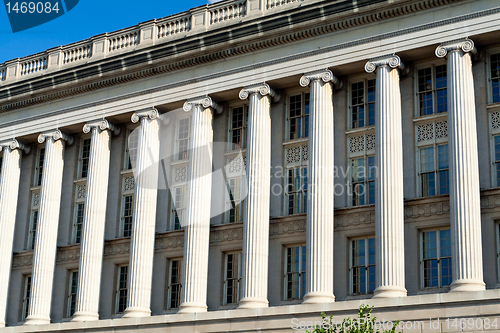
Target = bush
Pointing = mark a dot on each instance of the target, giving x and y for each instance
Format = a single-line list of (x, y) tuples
[(365, 323)]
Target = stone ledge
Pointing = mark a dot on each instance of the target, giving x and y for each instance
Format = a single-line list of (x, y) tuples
[(421, 308)]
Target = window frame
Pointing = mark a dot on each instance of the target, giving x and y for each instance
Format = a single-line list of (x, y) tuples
[(351, 81), (27, 280), (432, 65), (127, 164), (367, 265), (168, 297), (122, 214), (497, 226), (489, 89), (436, 170), (302, 164), (226, 279), (70, 294), (118, 289), (244, 130), (83, 138), (180, 118), (366, 181), (295, 92), (239, 175), (302, 273), (38, 174), (438, 257), (34, 210)]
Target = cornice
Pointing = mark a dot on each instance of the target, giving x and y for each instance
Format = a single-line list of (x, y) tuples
[(296, 17)]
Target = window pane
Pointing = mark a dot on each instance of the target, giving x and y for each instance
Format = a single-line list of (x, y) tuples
[(127, 216), (495, 77), (431, 273), (183, 139), (445, 243), (441, 90), (371, 102), (80, 209), (427, 159), (85, 158), (425, 91), (306, 117), (430, 245), (41, 158), (295, 117)]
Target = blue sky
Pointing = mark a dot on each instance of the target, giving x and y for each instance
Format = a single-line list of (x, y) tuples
[(88, 18)]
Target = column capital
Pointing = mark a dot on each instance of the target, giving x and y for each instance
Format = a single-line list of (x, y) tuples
[(102, 124), (205, 101), (260, 88), (56, 135), (150, 113), (464, 44), (323, 74), (14, 144), (391, 60)]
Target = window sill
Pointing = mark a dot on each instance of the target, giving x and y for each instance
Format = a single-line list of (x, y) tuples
[(434, 116), (295, 141), (80, 180), (291, 302), (128, 171), (241, 151), (35, 188), (359, 296), (433, 290), (360, 129), (492, 106), (228, 307), (178, 162)]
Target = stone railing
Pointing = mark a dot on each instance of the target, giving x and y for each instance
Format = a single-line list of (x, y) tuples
[(144, 34)]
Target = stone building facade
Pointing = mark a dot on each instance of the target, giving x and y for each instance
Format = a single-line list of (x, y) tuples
[(244, 166)]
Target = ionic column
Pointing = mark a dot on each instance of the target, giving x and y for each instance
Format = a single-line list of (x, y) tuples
[(320, 194), (44, 258), (465, 209), (9, 188), (144, 214), (197, 222), (94, 219), (256, 218), (389, 197)]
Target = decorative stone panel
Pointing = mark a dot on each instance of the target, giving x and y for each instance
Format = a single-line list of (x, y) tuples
[(180, 174)]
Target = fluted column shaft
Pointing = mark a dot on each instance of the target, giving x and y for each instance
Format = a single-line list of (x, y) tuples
[(389, 196), (44, 257), (197, 222), (465, 209), (94, 219), (256, 218), (320, 192), (9, 189), (144, 214)]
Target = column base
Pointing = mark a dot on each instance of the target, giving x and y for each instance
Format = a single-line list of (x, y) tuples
[(467, 285), (318, 297), (136, 312), (85, 316), (253, 303), (192, 308), (34, 320), (2, 324), (389, 291)]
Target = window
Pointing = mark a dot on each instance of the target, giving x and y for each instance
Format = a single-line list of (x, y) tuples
[(436, 258), (26, 297), (431, 90), (498, 250), (183, 139), (179, 207), (362, 268), (295, 272), (35, 202), (363, 180), (121, 289), (78, 225), (298, 117), (235, 213), (39, 166), (84, 158), (238, 127), (362, 103), (495, 77), (173, 299), (296, 179), (497, 158), (434, 173), (131, 148), (1, 162), (232, 277), (72, 288), (128, 203)]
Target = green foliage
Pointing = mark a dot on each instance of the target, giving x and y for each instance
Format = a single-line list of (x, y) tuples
[(365, 323)]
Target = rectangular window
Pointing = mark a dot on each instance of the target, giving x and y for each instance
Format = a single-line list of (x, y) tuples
[(121, 289), (295, 272), (434, 170), (363, 180), (495, 77), (128, 204), (78, 226), (232, 277), (85, 158), (362, 268), (296, 190), (39, 166), (72, 288), (235, 202), (497, 158), (183, 139), (436, 258), (432, 90), (498, 250), (131, 148), (362, 103), (33, 225), (26, 297), (237, 132), (179, 208), (298, 121), (1, 161), (174, 286)]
